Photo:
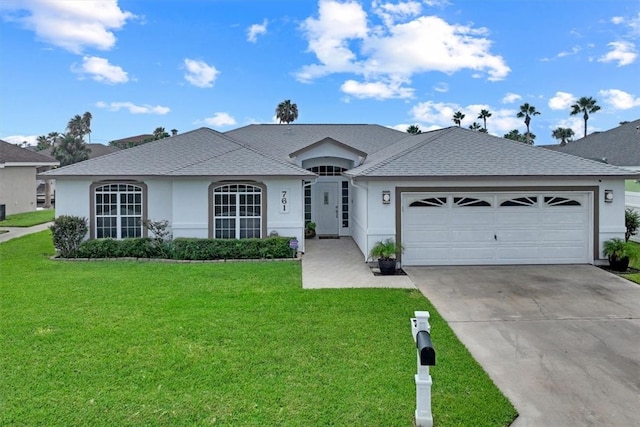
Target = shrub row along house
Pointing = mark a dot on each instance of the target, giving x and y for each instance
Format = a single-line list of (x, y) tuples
[(450, 196)]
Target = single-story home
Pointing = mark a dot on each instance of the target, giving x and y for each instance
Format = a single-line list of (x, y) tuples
[(18, 168), (451, 196)]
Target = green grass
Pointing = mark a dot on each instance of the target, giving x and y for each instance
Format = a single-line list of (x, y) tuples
[(28, 219), (233, 344), (632, 185)]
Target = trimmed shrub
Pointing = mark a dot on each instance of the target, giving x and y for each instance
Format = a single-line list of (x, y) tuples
[(186, 248), (208, 249), (68, 233)]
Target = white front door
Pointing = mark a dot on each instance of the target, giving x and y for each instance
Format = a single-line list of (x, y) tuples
[(325, 204)]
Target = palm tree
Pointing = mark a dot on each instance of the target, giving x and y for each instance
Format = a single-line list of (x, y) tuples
[(484, 114), (527, 111), (86, 124), (475, 126), (160, 133), (586, 106), (71, 149), (414, 130), (457, 117), (75, 127), (43, 143), (286, 112), (515, 135), (563, 134)]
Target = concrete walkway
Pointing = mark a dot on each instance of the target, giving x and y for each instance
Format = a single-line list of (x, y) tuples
[(338, 263), (14, 232)]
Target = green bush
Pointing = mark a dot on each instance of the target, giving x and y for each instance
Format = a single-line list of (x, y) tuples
[(68, 233), (208, 249), (187, 248)]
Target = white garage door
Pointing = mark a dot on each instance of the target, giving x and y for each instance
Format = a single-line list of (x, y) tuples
[(496, 228)]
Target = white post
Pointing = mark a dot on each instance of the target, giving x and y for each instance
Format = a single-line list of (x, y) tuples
[(424, 417)]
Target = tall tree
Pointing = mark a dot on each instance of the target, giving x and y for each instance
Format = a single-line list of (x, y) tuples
[(475, 126), (563, 134), (286, 112), (414, 129), (71, 149), (48, 141), (75, 126), (527, 111), (484, 115), (86, 124), (457, 118), (585, 106), (515, 135), (160, 133)]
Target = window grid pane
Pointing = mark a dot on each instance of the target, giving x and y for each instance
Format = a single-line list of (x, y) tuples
[(237, 211), (118, 211)]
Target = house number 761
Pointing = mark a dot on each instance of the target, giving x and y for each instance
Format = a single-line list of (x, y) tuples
[(284, 201)]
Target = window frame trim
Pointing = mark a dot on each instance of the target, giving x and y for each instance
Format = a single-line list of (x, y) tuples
[(263, 204), (92, 203)]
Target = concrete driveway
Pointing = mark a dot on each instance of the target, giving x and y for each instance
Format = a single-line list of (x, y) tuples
[(561, 342)]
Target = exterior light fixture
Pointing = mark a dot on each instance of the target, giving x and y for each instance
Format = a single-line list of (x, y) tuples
[(386, 197), (608, 196)]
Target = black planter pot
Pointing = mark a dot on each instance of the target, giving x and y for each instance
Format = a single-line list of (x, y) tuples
[(309, 234), (619, 264), (387, 266)]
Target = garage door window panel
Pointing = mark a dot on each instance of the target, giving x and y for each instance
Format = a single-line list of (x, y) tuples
[(520, 202), (470, 202), (432, 202), (560, 201)]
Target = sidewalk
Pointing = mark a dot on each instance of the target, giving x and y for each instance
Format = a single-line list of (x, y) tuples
[(15, 232)]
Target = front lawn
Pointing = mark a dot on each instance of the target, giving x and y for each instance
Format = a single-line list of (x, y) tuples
[(28, 219), (237, 344), (632, 185)]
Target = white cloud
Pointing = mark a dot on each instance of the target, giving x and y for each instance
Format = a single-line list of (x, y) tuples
[(220, 119), (391, 12), (101, 71), (376, 90), (510, 98), (575, 123), (199, 73), (71, 25), (133, 108), (623, 52), (561, 101), (441, 87), (19, 139), (256, 30), (619, 99), (345, 39), (617, 20)]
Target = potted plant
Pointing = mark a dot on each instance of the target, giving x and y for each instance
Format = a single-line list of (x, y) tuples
[(310, 230), (619, 252), (386, 252)]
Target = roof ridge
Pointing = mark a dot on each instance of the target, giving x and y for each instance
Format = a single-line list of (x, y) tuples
[(400, 153)]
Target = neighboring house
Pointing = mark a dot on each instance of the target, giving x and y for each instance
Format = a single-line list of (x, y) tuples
[(619, 146), (95, 150), (18, 168), (450, 196)]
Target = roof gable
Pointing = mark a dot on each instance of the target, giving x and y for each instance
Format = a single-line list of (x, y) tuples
[(328, 141), (199, 152)]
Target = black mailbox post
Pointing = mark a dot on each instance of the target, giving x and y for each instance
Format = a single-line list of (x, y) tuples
[(425, 349)]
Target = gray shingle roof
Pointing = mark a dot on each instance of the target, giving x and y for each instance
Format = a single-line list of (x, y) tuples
[(11, 153), (620, 146), (281, 140), (458, 152), (199, 152)]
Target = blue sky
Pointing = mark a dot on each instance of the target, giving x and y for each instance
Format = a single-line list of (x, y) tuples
[(140, 64)]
